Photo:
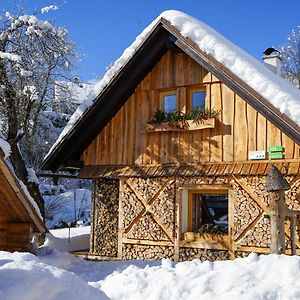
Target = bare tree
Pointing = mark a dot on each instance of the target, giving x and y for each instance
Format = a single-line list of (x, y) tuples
[(33, 55), (290, 54)]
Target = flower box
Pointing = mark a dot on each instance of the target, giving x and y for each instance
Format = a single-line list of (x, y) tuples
[(181, 126)]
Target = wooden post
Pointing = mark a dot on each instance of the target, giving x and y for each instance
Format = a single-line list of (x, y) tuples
[(120, 219), (178, 206), (276, 185), (277, 223), (293, 234)]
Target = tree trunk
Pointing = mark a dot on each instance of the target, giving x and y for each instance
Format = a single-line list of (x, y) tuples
[(16, 157)]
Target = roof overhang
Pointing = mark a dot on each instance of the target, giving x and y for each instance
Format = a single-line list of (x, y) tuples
[(115, 94), (111, 99), (24, 203)]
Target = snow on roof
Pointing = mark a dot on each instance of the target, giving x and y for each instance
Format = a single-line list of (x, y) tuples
[(276, 90), (5, 146)]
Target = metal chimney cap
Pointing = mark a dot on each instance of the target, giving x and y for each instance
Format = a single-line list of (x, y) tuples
[(270, 50), (276, 181)]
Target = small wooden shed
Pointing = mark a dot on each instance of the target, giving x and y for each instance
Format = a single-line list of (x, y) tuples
[(19, 218), (191, 188)]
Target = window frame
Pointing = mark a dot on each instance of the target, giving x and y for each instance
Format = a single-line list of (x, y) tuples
[(162, 94), (189, 97), (205, 191)]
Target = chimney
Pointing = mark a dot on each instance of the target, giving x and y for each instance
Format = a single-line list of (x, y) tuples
[(272, 60)]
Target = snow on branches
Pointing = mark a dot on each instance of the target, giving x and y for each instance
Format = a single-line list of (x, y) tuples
[(290, 55), (34, 55)]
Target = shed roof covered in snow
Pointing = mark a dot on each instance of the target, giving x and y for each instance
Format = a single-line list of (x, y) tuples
[(16, 204), (273, 97)]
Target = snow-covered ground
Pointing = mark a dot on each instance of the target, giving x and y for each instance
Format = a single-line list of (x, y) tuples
[(57, 275), (59, 239)]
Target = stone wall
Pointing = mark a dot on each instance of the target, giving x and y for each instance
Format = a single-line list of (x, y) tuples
[(104, 239)]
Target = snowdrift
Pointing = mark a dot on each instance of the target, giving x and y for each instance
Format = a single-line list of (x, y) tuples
[(24, 277), (56, 275)]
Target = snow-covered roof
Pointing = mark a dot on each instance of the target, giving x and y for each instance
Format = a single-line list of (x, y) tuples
[(5, 147), (281, 94)]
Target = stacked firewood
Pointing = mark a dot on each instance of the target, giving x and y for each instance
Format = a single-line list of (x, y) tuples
[(202, 254), (259, 236), (105, 229), (131, 251), (245, 212), (257, 185), (293, 195), (131, 206), (203, 180), (147, 229)]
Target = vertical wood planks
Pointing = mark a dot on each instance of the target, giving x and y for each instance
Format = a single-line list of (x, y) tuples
[(240, 128)]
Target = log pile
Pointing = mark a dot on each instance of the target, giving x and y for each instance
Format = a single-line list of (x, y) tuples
[(259, 235), (202, 254), (257, 185), (164, 206), (146, 224), (203, 180), (241, 254), (148, 207), (131, 206), (147, 229), (147, 187), (245, 212), (131, 251), (104, 240), (293, 195)]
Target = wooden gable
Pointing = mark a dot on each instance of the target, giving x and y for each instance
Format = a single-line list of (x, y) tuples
[(18, 218), (167, 60), (239, 128)]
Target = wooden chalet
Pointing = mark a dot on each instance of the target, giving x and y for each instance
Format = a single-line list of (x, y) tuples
[(180, 190), (18, 217)]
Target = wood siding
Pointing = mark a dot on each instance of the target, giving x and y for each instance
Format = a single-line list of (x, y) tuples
[(239, 128)]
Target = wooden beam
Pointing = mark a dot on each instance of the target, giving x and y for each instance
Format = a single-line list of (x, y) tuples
[(263, 250), (249, 227), (146, 242), (244, 186), (148, 207)]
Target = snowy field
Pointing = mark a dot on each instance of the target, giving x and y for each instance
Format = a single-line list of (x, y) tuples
[(57, 275)]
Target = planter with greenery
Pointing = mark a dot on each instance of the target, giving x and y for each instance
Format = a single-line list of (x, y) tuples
[(211, 229), (177, 121)]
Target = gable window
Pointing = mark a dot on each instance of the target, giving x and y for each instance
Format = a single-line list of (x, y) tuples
[(169, 101), (208, 211), (197, 97)]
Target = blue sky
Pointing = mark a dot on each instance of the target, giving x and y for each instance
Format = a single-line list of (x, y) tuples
[(102, 30)]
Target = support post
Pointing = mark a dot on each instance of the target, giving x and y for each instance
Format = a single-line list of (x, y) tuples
[(276, 185), (178, 206), (277, 223), (293, 234)]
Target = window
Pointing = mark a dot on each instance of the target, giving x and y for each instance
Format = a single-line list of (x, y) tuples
[(169, 101), (198, 99), (208, 208)]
